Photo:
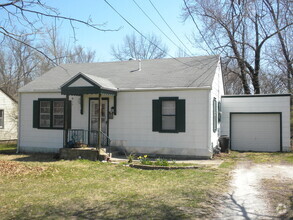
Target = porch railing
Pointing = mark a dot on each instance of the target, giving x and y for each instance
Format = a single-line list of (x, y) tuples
[(86, 138)]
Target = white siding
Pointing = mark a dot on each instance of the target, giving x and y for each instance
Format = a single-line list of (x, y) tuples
[(33, 139), (48, 140), (132, 126), (258, 104), (9, 132), (216, 92)]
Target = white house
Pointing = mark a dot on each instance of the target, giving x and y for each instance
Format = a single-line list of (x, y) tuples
[(163, 107), (8, 117)]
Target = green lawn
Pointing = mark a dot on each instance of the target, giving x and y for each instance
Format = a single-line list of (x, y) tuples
[(7, 148), (38, 187)]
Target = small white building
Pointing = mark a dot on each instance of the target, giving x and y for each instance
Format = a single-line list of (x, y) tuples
[(159, 107), (8, 117), (257, 122)]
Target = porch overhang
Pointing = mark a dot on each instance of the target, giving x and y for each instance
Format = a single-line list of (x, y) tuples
[(82, 83), (77, 91)]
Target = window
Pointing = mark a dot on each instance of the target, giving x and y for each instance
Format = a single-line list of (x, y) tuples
[(215, 114), (58, 114), (50, 113), (219, 112), (1, 119), (45, 118), (169, 115)]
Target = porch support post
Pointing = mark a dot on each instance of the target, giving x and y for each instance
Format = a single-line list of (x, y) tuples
[(100, 122), (81, 104), (66, 121)]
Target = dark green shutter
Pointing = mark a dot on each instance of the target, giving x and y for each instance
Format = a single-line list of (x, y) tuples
[(36, 114), (156, 115), (68, 114), (180, 115)]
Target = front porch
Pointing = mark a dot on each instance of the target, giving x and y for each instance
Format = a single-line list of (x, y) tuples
[(88, 98), (80, 138), (84, 153)]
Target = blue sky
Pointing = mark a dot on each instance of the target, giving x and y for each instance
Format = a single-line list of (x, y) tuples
[(101, 13)]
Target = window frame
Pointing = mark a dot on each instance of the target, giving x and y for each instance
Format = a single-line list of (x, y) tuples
[(173, 115), (52, 113), (215, 115), (58, 114), (161, 100), (219, 112), (2, 126)]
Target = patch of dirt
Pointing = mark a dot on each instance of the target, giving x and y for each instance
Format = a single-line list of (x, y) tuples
[(279, 193), (11, 168), (247, 198)]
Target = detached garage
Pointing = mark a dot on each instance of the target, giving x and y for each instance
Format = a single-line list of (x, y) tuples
[(257, 122)]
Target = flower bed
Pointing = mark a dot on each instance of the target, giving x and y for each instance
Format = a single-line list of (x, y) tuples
[(154, 167), (157, 164)]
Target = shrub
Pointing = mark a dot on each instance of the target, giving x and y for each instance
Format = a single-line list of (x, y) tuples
[(145, 160), (130, 157), (161, 162)]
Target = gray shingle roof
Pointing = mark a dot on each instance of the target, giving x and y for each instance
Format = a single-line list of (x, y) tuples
[(159, 73)]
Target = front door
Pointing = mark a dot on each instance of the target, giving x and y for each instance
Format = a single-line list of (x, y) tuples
[(94, 121)]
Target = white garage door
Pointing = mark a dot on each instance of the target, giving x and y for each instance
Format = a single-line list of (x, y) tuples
[(255, 132)]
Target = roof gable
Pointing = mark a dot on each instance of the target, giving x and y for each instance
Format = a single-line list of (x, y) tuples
[(86, 84), (81, 82), (9, 96)]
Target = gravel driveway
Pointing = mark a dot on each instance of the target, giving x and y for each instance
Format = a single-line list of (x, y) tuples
[(246, 198)]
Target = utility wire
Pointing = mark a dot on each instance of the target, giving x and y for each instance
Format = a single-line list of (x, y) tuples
[(169, 26), (143, 35), (189, 12), (157, 26)]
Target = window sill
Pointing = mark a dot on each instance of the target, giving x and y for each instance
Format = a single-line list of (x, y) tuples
[(169, 131), (51, 128)]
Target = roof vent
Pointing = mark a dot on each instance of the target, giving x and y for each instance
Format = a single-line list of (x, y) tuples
[(139, 64)]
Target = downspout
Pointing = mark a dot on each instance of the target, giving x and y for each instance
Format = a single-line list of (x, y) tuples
[(18, 122), (100, 122)]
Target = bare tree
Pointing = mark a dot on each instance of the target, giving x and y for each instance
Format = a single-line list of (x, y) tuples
[(19, 63), (32, 16), (60, 51), (238, 30), (140, 48), (22, 57), (281, 13), (181, 53)]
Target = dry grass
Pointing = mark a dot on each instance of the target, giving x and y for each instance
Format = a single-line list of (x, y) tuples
[(258, 157), (280, 196), (51, 189)]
